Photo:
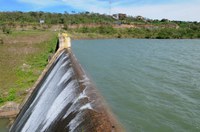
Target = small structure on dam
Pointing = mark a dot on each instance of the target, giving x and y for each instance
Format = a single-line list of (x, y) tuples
[(64, 99)]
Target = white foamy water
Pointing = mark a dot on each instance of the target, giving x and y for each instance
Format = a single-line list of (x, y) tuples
[(57, 101), (86, 106), (62, 100), (65, 77)]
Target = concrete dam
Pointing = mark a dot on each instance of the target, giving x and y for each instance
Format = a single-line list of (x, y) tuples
[(64, 99)]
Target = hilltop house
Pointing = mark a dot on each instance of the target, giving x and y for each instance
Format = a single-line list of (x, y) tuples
[(119, 16)]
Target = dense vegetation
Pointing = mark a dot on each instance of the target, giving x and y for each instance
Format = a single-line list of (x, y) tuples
[(53, 18), (93, 25), (161, 33)]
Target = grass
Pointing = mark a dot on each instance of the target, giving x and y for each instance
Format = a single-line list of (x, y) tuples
[(23, 56)]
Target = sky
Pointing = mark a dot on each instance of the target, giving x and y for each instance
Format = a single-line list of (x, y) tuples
[(183, 10)]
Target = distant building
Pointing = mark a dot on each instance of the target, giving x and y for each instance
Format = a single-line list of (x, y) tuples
[(115, 16), (119, 16), (140, 18), (41, 21)]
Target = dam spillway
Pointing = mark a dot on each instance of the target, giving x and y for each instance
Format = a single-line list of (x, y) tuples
[(64, 99)]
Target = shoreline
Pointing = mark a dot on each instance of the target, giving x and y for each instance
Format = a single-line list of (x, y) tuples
[(98, 38), (135, 38), (93, 36)]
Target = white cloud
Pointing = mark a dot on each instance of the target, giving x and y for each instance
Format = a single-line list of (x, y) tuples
[(89, 5), (184, 11)]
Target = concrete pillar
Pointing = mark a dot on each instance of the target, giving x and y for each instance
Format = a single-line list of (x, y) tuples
[(64, 41)]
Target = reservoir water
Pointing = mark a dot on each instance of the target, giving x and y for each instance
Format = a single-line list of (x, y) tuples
[(151, 85), (4, 123)]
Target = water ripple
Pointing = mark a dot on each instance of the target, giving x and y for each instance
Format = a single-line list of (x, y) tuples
[(152, 85)]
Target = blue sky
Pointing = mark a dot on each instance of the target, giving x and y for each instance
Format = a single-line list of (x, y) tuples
[(186, 10)]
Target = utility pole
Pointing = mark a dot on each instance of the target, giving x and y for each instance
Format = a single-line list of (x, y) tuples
[(110, 8)]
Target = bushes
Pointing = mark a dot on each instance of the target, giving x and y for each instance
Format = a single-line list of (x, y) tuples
[(106, 30), (157, 33), (6, 30), (101, 30)]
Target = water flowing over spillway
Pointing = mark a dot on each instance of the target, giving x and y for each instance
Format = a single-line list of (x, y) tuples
[(65, 100)]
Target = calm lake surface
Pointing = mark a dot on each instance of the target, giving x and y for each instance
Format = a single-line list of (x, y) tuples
[(151, 85)]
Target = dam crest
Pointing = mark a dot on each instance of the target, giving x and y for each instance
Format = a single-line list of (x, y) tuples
[(64, 99)]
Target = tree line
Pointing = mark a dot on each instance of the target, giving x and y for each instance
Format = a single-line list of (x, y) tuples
[(54, 18), (140, 27)]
